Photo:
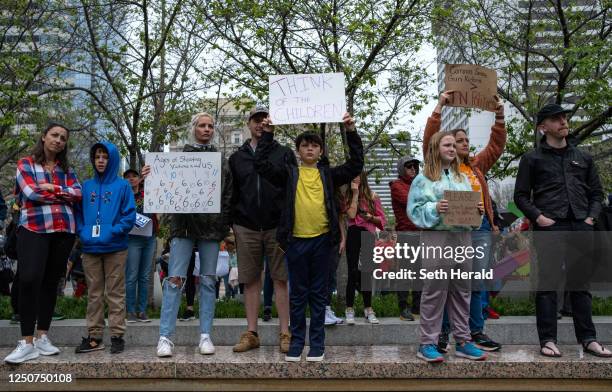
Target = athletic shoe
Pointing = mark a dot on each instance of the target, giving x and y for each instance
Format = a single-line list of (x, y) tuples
[(429, 353), (187, 315), (406, 315), (15, 319), (339, 320), (57, 316), (315, 355), (164, 347), (89, 344), (117, 344), (350, 316), (330, 318), (443, 343), (142, 317), (23, 352), (470, 351), (206, 345), (491, 313), (371, 317), (132, 318), (485, 343), (45, 347), (267, 314)]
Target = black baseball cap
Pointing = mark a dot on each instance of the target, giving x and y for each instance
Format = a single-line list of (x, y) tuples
[(550, 110), (256, 110), (132, 171)]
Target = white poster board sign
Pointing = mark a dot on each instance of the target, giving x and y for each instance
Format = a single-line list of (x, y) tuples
[(183, 183), (307, 98)]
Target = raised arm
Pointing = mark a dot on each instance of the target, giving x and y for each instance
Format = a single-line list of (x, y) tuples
[(345, 173), (494, 149)]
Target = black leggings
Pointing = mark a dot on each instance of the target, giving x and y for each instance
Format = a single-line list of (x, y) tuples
[(42, 262), (353, 247)]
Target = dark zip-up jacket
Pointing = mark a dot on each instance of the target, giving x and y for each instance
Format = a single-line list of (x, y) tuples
[(213, 227), (550, 183), (256, 202), (288, 175)]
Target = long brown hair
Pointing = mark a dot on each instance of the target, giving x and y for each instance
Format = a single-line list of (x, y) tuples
[(433, 161), (365, 193), (38, 152), (455, 131)]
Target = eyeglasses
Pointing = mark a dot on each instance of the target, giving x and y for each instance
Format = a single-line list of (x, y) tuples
[(412, 166)]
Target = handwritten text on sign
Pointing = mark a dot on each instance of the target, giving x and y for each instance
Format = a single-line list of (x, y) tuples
[(462, 208), (183, 182), (474, 86), (307, 98)]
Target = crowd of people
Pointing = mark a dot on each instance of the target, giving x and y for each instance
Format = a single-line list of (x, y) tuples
[(291, 218)]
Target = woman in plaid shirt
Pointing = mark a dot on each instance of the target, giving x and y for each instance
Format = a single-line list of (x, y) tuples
[(47, 189)]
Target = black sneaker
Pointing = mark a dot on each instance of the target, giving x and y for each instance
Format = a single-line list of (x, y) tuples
[(117, 344), (485, 343), (89, 344), (443, 343), (15, 319), (406, 315), (187, 315), (267, 314)]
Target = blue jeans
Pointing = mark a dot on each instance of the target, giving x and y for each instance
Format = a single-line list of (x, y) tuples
[(308, 262), (138, 271), (180, 254), (479, 294)]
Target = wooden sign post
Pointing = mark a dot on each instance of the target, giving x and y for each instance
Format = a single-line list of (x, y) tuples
[(474, 86), (462, 208)]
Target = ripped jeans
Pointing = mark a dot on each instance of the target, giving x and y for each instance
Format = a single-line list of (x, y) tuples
[(180, 254)]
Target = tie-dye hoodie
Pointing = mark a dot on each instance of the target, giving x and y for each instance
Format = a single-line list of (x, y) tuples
[(425, 194)]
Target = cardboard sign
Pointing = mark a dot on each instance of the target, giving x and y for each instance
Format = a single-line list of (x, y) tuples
[(462, 208), (307, 98), (183, 183), (474, 86)]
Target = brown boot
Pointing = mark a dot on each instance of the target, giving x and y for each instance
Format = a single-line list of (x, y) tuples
[(284, 339), (248, 341)]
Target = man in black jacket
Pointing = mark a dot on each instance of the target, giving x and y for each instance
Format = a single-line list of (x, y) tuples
[(256, 210), (558, 189)]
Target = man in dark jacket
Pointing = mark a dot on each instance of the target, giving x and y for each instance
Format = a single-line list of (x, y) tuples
[(558, 189), (256, 209)]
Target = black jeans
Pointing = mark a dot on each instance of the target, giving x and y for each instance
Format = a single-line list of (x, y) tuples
[(353, 247), (333, 268), (562, 257), (42, 262)]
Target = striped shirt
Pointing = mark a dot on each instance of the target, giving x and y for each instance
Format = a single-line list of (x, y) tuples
[(43, 211)]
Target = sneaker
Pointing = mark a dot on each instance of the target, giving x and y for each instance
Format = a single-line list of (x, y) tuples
[(45, 347), (350, 316), (284, 339), (15, 319), (131, 317), (443, 343), (89, 344), (57, 316), (142, 317), (206, 345), (485, 343), (339, 320), (187, 315), (289, 358), (429, 353), (491, 313), (330, 318), (370, 317), (406, 315), (470, 351), (117, 344), (23, 352), (248, 341), (315, 355), (267, 314), (164, 347)]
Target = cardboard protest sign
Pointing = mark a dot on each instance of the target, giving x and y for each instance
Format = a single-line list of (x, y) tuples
[(462, 208), (183, 182), (307, 98), (474, 86)]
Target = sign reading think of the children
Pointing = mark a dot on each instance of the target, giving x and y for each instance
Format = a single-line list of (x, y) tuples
[(183, 182), (462, 208), (307, 98), (474, 86)]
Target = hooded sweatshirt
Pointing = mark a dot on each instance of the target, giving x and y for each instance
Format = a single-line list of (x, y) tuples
[(399, 196), (108, 202)]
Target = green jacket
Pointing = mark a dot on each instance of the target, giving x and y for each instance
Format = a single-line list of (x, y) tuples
[(213, 227)]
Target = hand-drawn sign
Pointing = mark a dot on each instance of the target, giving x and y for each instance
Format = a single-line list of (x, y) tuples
[(474, 86), (462, 208)]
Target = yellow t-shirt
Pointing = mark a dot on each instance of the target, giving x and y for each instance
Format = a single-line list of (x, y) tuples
[(476, 187), (310, 214)]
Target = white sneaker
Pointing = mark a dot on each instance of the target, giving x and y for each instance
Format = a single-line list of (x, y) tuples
[(164, 347), (330, 318), (23, 352), (371, 317), (318, 358), (289, 358), (206, 345), (339, 320), (350, 316), (45, 347)]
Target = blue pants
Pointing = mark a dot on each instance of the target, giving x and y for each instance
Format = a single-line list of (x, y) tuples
[(137, 272), (308, 260)]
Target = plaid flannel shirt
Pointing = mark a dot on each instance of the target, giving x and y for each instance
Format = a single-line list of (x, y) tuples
[(43, 211)]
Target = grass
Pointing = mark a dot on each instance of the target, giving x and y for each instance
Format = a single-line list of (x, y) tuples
[(384, 306)]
